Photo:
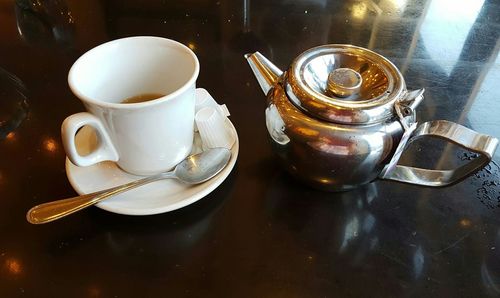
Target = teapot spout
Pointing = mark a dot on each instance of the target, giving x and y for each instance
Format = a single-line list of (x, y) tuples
[(265, 71)]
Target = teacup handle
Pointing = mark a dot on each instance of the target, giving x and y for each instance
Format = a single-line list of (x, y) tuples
[(105, 149), (479, 143)]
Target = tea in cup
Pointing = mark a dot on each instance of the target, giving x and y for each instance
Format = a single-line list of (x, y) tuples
[(139, 93)]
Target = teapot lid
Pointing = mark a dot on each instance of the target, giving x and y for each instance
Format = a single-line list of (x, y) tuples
[(344, 84)]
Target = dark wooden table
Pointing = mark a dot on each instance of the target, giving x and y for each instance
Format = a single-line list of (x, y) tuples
[(261, 233)]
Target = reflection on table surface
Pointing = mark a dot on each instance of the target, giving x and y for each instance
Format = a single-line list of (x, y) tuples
[(261, 233)]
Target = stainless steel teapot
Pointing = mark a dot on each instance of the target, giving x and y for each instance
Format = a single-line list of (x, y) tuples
[(341, 116)]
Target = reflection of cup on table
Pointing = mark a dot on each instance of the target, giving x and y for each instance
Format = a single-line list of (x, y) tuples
[(153, 130)]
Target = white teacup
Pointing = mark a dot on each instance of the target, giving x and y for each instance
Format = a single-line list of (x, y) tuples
[(146, 137)]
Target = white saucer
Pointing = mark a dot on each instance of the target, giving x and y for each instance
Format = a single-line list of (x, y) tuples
[(157, 197)]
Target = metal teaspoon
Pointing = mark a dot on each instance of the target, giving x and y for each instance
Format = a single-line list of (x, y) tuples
[(194, 169)]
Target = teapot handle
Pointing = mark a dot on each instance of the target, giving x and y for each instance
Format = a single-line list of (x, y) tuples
[(479, 143)]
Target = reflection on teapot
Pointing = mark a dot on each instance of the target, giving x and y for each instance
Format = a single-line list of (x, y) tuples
[(341, 117), (276, 126)]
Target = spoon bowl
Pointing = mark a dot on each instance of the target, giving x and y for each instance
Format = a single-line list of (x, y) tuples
[(202, 166)]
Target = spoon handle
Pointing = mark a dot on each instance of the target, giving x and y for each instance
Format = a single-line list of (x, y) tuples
[(51, 211)]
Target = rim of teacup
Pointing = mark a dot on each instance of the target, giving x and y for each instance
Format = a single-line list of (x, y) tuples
[(83, 97)]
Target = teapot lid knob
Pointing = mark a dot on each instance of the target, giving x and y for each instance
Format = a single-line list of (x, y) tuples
[(344, 82)]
